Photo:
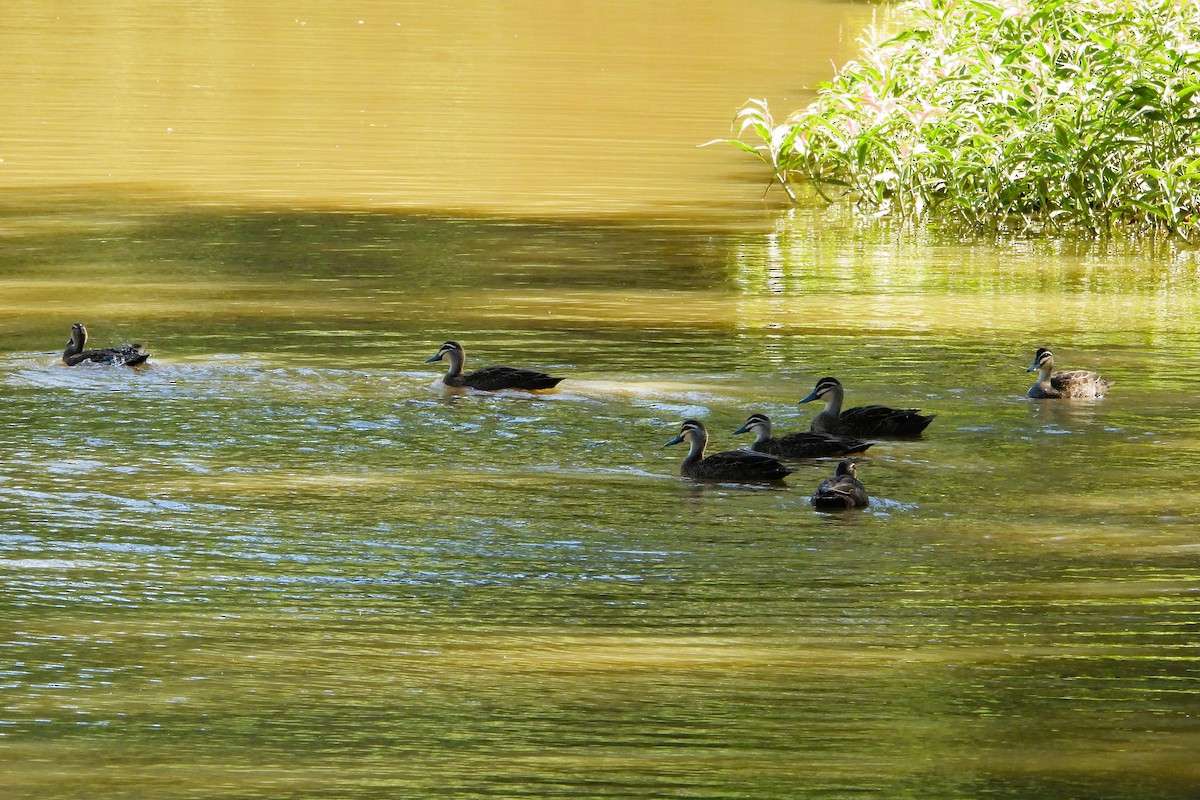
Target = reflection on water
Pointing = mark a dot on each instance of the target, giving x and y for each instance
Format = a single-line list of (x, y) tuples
[(285, 558), (526, 107)]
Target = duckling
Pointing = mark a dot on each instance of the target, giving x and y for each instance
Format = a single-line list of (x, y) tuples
[(127, 354), (862, 420), (843, 490), (489, 378), (806, 444), (1071, 383), (731, 465)]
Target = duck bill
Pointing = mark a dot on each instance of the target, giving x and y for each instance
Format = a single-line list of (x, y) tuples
[(1033, 368), (438, 357), (810, 398), (742, 429), (676, 440)]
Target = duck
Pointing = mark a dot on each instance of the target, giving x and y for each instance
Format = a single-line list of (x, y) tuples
[(862, 420), (128, 354), (489, 378), (805, 444), (843, 490), (731, 465), (1070, 383)]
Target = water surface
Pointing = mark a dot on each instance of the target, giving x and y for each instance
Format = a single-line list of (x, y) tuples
[(526, 107), (284, 562)]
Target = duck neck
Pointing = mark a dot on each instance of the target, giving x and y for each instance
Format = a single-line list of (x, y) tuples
[(833, 405), (762, 432), (1043, 384), (454, 371), (76, 343), (697, 449)]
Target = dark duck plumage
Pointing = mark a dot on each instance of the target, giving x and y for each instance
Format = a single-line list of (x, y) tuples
[(862, 420), (805, 444), (1069, 383), (127, 354), (731, 465), (489, 378), (843, 490)]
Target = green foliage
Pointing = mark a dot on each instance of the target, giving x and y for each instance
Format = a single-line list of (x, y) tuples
[(1081, 114)]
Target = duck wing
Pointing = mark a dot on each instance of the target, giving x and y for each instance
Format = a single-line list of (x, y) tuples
[(494, 378), (810, 444), (884, 421), (744, 465), (1079, 383), (133, 354), (129, 355)]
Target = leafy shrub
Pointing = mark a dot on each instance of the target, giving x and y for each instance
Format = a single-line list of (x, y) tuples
[(1077, 114)]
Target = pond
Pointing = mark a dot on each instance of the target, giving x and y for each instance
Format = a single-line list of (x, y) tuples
[(285, 562)]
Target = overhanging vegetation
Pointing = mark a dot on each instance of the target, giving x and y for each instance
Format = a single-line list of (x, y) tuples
[(1063, 114)]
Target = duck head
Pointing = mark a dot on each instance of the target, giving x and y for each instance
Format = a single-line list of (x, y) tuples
[(824, 390), (450, 350), (691, 431), (758, 424), (1043, 357)]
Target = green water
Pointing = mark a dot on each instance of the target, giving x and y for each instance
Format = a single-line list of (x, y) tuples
[(284, 562)]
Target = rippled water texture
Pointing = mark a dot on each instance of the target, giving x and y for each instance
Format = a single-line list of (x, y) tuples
[(284, 562)]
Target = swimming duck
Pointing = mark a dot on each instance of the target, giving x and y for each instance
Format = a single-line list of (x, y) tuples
[(862, 420), (128, 354), (806, 444), (843, 490), (731, 465), (1071, 383), (489, 378)]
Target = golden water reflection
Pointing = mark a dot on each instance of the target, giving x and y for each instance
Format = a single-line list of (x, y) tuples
[(522, 108)]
